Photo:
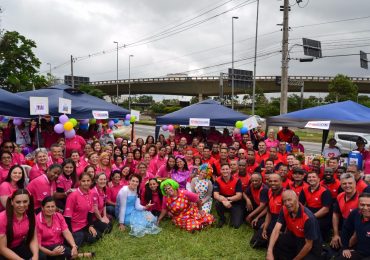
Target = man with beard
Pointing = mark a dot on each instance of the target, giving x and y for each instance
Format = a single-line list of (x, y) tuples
[(298, 181), (252, 166), (329, 182), (256, 198), (346, 202), (318, 200), (216, 151), (358, 222), (274, 205), (302, 238)]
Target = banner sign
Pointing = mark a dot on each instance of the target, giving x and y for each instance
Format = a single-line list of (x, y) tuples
[(39, 106), (199, 121), (100, 114), (250, 122), (324, 125), (135, 113), (65, 106)]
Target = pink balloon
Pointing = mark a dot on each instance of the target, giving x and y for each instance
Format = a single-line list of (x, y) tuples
[(69, 134), (59, 128), (63, 119), (170, 128)]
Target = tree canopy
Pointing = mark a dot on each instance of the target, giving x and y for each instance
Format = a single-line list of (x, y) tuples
[(341, 88), (18, 63)]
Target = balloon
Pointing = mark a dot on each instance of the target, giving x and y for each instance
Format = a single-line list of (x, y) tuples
[(127, 122), (128, 117), (68, 126), (110, 123), (239, 124), (236, 131), (58, 128), (164, 127), (26, 150), (170, 127), (84, 127), (92, 121), (84, 121), (73, 121), (133, 119), (17, 121), (1, 118), (115, 120), (69, 134), (63, 119), (109, 131), (243, 130)]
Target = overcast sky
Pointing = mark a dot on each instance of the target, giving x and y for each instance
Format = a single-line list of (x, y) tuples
[(84, 27)]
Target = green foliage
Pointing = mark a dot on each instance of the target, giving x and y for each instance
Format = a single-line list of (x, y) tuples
[(194, 100), (174, 243), (158, 108), (364, 100), (171, 109), (143, 99), (341, 88), (92, 91), (18, 64)]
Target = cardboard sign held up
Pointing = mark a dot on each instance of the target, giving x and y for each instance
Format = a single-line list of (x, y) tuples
[(39, 106), (65, 106), (135, 113)]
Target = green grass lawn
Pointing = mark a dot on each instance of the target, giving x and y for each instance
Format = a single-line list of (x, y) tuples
[(173, 243)]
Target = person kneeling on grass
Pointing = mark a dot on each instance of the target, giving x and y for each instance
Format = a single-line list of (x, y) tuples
[(184, 206), (132, 213)]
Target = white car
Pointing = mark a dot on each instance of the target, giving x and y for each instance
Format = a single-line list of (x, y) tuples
[(346, 141)]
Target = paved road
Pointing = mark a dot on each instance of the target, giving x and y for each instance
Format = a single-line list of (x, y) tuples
[(144, 130)]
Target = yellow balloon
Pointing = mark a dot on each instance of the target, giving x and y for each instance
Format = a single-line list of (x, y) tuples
[(68, 126)]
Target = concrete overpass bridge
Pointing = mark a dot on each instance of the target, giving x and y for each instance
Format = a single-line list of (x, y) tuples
[(210, 85)]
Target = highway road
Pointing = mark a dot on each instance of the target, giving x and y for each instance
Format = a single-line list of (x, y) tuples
[(144, 130)]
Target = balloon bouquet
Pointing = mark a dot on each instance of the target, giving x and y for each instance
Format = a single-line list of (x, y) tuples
[(239, 130)]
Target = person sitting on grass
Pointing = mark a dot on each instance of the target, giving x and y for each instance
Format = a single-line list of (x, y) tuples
[(184, 206)]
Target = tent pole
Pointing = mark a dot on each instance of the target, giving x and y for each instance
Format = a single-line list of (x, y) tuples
[(132, 131), (325, 134), (38, 132)]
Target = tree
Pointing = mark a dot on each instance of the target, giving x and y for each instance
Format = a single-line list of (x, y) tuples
[(260, 98), (18, 64), (341, 88), (145, 99), (92, 91), (194, 100)]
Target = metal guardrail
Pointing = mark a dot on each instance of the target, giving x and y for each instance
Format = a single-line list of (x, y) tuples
[(213, 78)]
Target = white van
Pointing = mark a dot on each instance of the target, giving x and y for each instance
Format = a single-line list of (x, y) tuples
[(346, 141)]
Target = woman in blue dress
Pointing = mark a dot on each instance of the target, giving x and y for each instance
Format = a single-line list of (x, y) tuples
[(131, 213)]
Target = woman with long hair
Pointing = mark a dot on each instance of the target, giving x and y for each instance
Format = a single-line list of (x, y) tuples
[(18, 238), (137, 155), (153, 194), (132, 213), (181, 172), (149, 140), (130, 162), (96, 146), (93, 159), (66, 182), (124, 151), (165, 171), (125, 175), (14, 181), (104, 164), (79, 162), (113, 190), (79, 212)]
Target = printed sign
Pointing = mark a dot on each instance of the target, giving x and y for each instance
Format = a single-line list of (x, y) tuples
[(135, 113), (324, 125), (100, 114), (65, 106), (199, 121), (39, 106), (250, 122)]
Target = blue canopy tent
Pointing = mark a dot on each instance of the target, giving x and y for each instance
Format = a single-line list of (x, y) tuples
[(344, 116), (82, 103), (218, 114), (13, 105)]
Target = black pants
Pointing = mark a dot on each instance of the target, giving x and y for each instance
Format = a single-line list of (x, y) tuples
[(22, 251), (67, 253), (103, 228), (236, 212), (355, 256), (325, 226), (257, 241), (83, 236), (288, 246)]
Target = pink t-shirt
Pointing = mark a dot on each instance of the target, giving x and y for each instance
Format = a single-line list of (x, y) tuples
[(6, 189), (107, 171), (18, 158), (78, 206), (155, 200), (112, 192), (3, 173), (80, 167), (50, 235), (75, 143), (40, 188), (20, 228), (367, 166), (163, 172), (269, 143), (36, 171), (64, 183), (99, 199)]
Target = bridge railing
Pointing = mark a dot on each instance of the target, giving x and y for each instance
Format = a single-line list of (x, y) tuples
[(213, 78)]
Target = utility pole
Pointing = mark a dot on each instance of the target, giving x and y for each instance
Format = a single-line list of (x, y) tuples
[(232, 61), (284, 60), (72, 78), (129, 81), (255, 63)]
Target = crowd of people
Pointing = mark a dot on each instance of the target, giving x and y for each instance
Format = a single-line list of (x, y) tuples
[(71, 191)]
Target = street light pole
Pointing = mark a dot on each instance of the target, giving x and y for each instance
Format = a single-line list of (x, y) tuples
[(285, 60), (232, 61), (129, 81), (255, 63), (117, 71)]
